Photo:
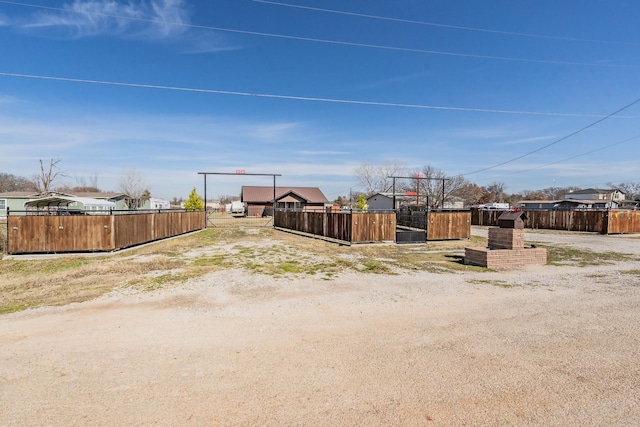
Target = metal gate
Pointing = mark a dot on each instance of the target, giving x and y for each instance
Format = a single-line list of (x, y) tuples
[(411, 226), (221, 219)]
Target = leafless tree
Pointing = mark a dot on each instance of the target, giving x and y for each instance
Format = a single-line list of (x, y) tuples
[(430, 187), (494, 192), (133, 184), (44, 181), (470, 193), (9, 182), (373, 178), (83, 185)]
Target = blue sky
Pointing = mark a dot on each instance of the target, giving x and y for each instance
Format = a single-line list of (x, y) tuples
[(496, 65)]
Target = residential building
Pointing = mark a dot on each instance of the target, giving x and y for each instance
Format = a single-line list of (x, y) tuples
[(610, 194), (260, 200)]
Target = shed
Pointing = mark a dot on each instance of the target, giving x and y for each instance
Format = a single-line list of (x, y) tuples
[(512, 220)]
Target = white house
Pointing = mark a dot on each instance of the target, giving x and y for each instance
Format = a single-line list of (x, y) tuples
[(158, 203), (594, 194)]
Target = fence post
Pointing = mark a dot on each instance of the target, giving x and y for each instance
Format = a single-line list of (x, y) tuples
[(6, 248)]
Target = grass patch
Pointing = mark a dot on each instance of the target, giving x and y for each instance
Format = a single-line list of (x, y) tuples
[(270, 252), (498, 283), (631, 272), (370, 265), (562, 255)]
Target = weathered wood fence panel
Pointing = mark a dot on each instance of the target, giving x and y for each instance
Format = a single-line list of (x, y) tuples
[(90, 233), (348, 227), (131, 230), (373, 227), (339, 226), (34, 234), (448, 225), (624, 222), (604, 222)]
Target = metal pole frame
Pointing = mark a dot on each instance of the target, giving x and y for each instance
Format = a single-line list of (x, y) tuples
[(274, 175), (418, 178)]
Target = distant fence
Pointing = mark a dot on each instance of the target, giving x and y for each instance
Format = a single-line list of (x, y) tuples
[(93, 233), (347, 226), (360, 227), (603, 222)]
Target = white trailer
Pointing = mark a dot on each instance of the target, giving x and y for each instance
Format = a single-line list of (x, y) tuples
[(237, 207)]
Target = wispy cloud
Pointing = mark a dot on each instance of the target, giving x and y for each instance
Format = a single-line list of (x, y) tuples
[(322, 153), (107, 17), (151, 21), (8, 99), (393, 81)]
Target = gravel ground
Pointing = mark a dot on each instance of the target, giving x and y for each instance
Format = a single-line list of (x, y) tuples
[(622, 243), (539, 346)]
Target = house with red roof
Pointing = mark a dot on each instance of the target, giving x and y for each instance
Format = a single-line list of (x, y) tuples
[(259, 201)]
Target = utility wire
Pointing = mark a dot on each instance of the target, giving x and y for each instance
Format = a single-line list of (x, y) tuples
[(327, 41), (574, 157), (557, 140), (454, 27), (312, 99)]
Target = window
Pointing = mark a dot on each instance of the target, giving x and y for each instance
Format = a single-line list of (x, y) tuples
[(3, 207)]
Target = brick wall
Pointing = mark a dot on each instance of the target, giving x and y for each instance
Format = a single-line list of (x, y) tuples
[(506, 238), (503, 259)]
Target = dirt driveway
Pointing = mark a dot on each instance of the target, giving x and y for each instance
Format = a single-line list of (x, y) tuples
[(554, 345)]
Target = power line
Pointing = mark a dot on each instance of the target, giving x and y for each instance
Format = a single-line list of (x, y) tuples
[(455, 27), (306, 98), (327, 41), (557, 140), (574, 157)]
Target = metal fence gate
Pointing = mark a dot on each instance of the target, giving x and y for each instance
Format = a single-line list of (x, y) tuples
[(221, 219)]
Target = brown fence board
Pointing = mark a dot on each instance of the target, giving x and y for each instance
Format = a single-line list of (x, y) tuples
[(620, 221), (373, 227), (589, 221), (348, 227), (448, 225), (33, 234), (88, 233)]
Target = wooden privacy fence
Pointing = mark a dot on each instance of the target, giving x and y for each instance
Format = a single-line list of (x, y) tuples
[(92, 233), (347, 227), (448, 225), (445, 225), (603, 222), (375, 227)]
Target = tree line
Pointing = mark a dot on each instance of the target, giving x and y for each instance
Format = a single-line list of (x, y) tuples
[(50, 178), (431, 185)]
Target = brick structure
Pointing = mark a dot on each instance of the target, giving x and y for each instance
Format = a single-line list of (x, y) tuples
[(506, 248), (504, 259), (506, 238)]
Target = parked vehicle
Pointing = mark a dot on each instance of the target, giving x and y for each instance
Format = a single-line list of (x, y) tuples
[(237, 208)]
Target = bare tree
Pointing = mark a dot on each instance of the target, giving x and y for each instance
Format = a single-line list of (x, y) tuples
[(43, 182), (9, 182), (83, 185), (494, 192), (374, 178), (470, 193), (435, 185), (630, 189), (133, 184)]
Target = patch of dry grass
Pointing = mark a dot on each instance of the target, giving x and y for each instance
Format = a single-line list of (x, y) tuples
[(59, 281)]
